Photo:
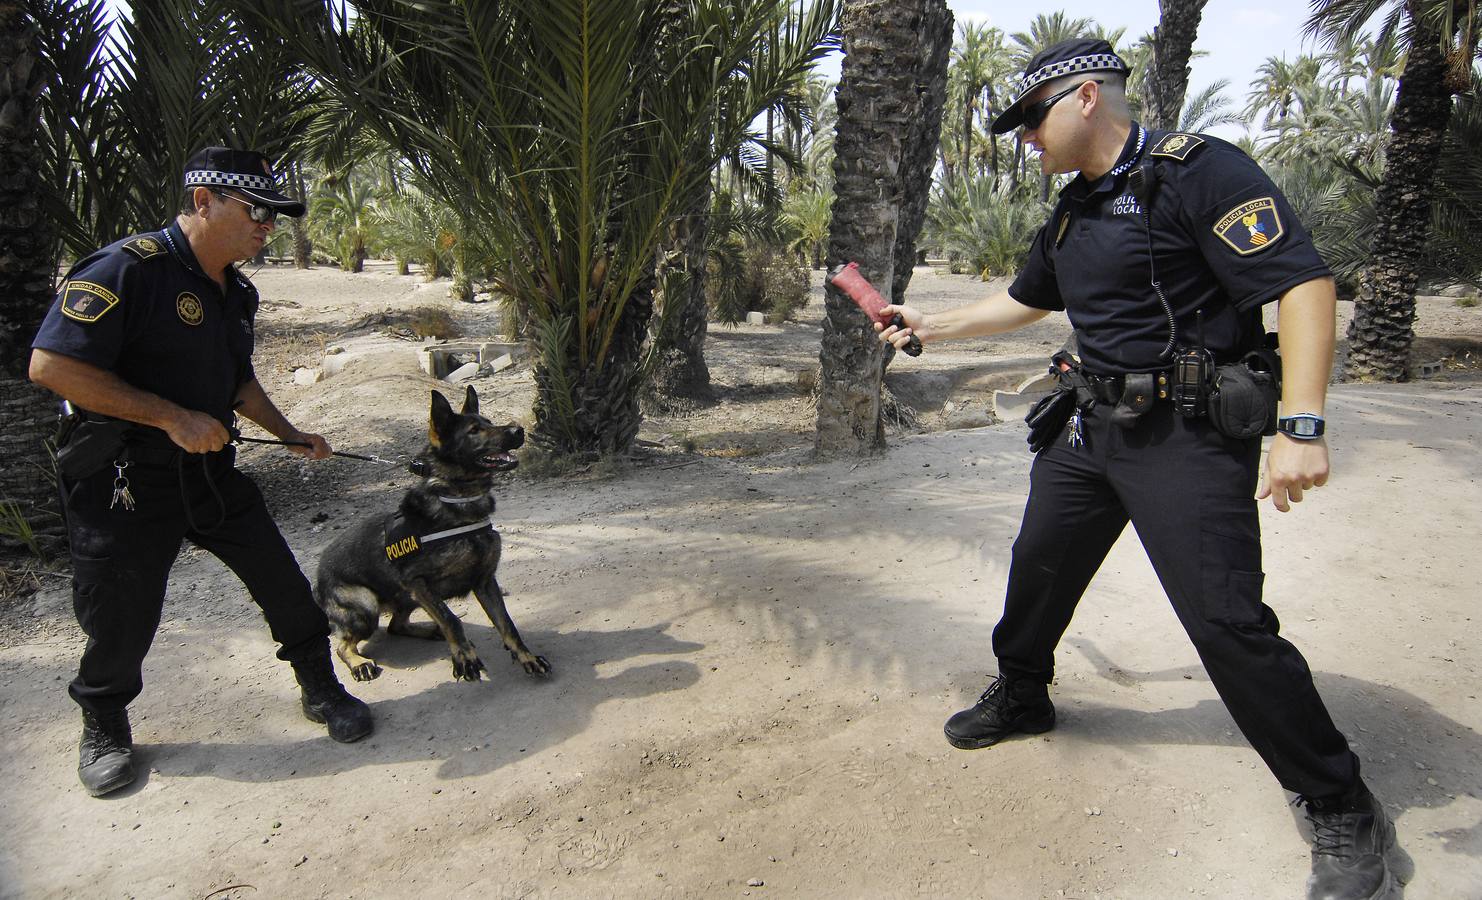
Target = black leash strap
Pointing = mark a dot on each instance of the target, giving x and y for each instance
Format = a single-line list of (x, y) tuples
[(239, 438)]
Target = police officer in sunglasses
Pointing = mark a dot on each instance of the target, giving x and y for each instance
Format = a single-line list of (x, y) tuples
[(1162, 251), (150, 341)]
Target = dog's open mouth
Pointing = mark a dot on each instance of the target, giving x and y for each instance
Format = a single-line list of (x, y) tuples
[(499, 462)]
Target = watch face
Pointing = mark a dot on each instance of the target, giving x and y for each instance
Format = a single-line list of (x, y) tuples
[(1305, 427)]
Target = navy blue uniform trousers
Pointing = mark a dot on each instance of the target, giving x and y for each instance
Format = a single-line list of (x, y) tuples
[(1188, 491), (121, 563)]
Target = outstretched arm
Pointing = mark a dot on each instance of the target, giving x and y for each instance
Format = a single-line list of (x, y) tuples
[(994, 315)]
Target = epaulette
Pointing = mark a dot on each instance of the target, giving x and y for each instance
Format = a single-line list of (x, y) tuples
[(1176, 145), (145, 246)]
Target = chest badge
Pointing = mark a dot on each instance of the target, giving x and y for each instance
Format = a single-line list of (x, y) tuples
[(1251, 227), (188, 305), (1060, 232)]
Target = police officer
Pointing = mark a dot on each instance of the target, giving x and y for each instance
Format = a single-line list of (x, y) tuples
[(1161, 250), (150, 339)]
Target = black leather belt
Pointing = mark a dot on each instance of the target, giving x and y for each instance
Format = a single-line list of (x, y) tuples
[(1110, 388)]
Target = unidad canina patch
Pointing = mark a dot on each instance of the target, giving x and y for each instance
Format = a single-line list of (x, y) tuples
[(188, 305), (1251, 227), (84, 301)]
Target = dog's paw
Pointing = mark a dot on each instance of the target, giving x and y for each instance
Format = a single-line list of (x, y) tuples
[(532, 664), (366, 671), (469, 669)]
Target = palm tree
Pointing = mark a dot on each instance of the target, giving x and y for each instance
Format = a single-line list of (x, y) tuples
[(26, 265), (1172, 44), (345, 215), (675, 364), (890, 104), (1276, 82), (1440, 46), (572, 134), (1208, 109)]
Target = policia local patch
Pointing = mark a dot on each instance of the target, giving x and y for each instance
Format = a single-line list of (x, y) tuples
[(84, 301), (1250, 227)]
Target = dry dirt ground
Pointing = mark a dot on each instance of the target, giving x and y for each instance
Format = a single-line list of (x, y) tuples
[(754, 653)]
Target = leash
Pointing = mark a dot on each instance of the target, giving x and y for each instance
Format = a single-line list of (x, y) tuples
[(239, 438)]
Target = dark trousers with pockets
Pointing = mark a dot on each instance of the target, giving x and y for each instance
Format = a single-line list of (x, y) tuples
[(121, 563), (1188, 492)]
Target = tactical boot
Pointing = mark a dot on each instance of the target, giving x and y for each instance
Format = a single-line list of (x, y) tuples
[(1008, 706), (326, 701), (1350, 835), (105, 757)]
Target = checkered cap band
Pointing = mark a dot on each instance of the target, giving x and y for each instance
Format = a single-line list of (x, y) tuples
[(1096, 62), (208, 178)]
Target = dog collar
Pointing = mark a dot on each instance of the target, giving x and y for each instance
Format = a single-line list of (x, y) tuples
[(461, 500)]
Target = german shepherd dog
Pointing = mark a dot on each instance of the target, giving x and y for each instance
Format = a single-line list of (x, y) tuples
[(440, 544)]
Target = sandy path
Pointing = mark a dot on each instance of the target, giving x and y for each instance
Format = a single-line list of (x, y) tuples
[(754, 656)]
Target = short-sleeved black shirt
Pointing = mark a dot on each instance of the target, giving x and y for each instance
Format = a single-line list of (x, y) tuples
[(143, 309), (1224, 239)]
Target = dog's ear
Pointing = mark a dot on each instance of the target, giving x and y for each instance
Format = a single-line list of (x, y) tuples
[(471, 402), (441, 420)]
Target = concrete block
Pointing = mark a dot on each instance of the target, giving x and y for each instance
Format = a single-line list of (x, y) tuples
[(304, 375), (500, 363), (333, 364), (757, 318), (463, 372), (1429, 370), (427, 361)]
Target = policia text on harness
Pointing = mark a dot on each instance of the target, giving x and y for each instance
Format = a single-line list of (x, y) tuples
[(1239, 398)]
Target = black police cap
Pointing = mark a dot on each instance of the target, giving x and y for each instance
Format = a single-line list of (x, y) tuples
[(244, 171), (1072, 57)]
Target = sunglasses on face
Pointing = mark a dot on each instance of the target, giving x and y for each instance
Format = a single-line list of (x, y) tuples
[(1034, 114), (257, 212)]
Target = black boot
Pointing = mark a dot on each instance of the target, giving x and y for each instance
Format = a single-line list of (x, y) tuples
[(326, 701), (1350, 835), (105, 757), (1009, 706)]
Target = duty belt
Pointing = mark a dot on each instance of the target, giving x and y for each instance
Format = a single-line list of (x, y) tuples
[(1109, 389)]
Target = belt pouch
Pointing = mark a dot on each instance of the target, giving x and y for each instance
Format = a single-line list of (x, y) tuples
[(91, 446), (1243, 402), (1136, 399)]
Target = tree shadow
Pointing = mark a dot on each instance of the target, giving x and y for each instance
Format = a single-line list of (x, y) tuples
[(474, 729)]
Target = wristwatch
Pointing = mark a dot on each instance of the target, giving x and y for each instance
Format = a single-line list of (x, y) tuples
[(1302, 426)]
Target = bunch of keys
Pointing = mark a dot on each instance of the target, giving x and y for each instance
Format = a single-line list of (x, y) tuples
[(121, 493)]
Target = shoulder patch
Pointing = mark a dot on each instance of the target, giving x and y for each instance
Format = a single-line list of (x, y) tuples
[(1176, 145), (84, 301), (145, 246), (1251, 227)]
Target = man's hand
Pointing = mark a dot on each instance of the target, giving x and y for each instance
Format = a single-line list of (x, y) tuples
[(1293, 467), (899, 337), (318, 447), (196, 432)]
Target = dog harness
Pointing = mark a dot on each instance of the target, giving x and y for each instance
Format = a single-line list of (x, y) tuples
[(402, 542)]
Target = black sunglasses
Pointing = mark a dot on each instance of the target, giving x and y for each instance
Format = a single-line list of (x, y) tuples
[(257, 212), (1034, 114)]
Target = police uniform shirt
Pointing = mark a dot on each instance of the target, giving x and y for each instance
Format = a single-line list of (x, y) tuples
[(1224, 239), (143, 309)]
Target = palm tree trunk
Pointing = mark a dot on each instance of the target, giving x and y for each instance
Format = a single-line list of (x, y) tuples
[(1173, 44), (27, 270), (302, 249), (679, 377), (890, 47), (920, 149), (1383, 325)]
